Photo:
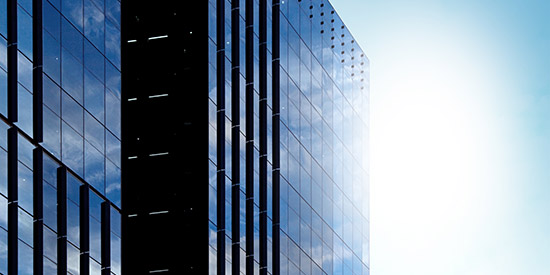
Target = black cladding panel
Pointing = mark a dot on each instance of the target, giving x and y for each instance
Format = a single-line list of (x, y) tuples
[(164, 122)]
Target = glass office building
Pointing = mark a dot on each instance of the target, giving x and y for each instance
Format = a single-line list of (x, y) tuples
[(251, 118), (60, 94)]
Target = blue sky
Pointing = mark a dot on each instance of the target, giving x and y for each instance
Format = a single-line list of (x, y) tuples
[(460, 134)]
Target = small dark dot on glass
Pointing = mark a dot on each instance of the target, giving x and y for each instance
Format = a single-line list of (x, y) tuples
[(342, 27), (362, 63), (343, 52), (310, 7), (322, 31), (311, 16), (332, 12), (322, 5), (332, 21), (332, 38), (332, 29), (332, 47), (322, 22), (343, 43), (322, 14)]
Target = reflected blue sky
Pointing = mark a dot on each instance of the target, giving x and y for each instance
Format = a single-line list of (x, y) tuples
[(460, 134)]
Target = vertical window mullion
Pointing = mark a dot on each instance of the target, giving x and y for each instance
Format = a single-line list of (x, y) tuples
[(249, 150), (276, 137), (62, 220), (38, 206), (220, 129), (37, 71), (84, 230), (263, 135), (105, 238), (235, 138), (12, 202), (12, 60)]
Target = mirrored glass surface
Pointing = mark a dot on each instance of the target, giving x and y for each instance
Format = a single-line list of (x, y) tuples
[(25, 259), (94, 96), (51, 132), (72, 149), (73, 76), (24, 32), (51, 49), (24, 187), (94, 168), (94, 27)]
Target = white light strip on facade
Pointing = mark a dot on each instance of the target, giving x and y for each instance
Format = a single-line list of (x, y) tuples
[(157, 37), (132, 41), (161, 95), (159, 271), (134, 157), (132, 99), (158, 154), (132, 215)]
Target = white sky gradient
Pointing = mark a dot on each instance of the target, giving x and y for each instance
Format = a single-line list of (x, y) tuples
[(460, 134)]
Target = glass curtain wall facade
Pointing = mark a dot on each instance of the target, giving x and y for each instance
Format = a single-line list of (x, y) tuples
[(288, 133), (60, 92)]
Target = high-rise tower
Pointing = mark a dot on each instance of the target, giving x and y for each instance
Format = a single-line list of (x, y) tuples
[(245, 139)]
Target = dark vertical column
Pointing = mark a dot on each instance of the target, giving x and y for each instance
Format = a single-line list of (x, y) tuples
[(276, 142), (62, 221), (12, 60), (105, 238), (220, 128), (249, 168), (235, 140), (84, 230), (37, 70), (12, 201), (38, 233), (263, 136)]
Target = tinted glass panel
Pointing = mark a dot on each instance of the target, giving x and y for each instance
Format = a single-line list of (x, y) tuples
[(112, 104), (52, 132), (73, 113), (112, 43), (71, 39), (72, 73), (51, 20), (112, 187), (50, 244), (94, 27), (25, 259), (50, 206), (73, 9), (24, 181), (94, 61), (94, 93), (94, 167), (113, 148), (72, 149), (52, 57), (24, 32), (51, 95), (94, 132)]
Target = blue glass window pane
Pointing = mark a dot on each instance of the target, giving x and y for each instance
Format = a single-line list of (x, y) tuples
[(4, 248), (24, 182), (49, 267), (24, 71), (26, 4), (52, 57), (25, 266), (73, 113), (112, 43), (3, 53), (112, 103), (95, 268), (94, 132), (95, 239), (3, 21), (112, 8), (52, 20), (49, 169), (50, 244), (73, 223), (73, 260), (55, 3), (94, 25), (115, 221), (24, 226), (72, 73), (3, 92), (24, 151), (73, 9), (94, 61), (112, 188), (112, 78), (94, 96), (113, 148), (115, 254), (24, 110), (95, 205), (24, 32), (3, 212), (73, 189), (94, 167), (100, 4), (72, 152), (52, 132), (72, 40), (51, 95), (50, 206)]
